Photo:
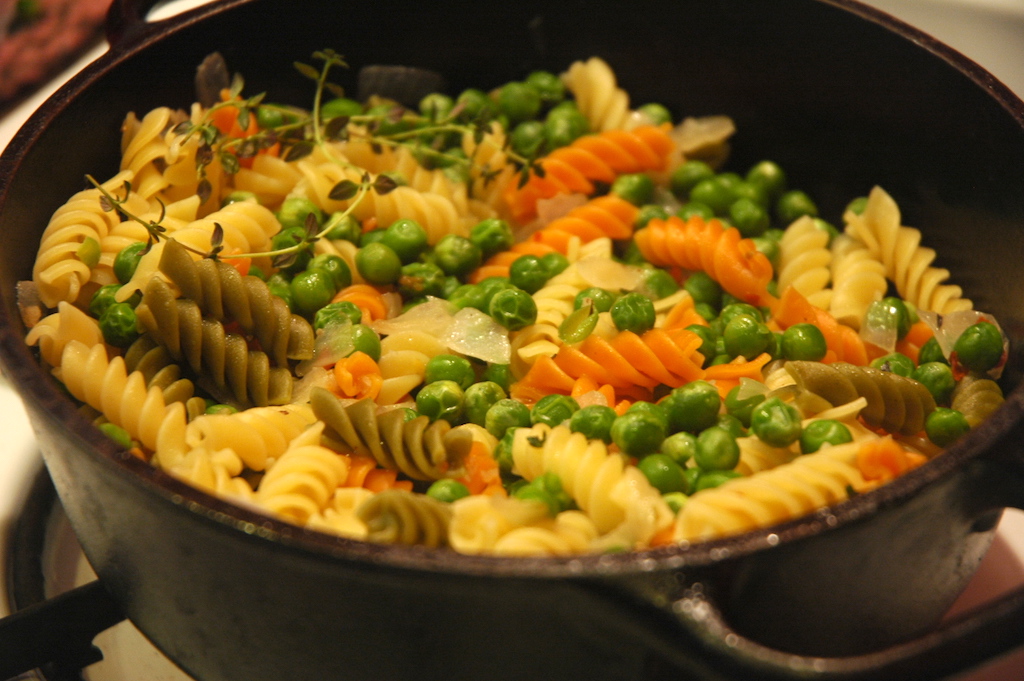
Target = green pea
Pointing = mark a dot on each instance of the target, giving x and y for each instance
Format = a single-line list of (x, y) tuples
[(436, 106), (119, 325), (451, 284), (447, 490), (300, 256), (664, 474), (491, 236), (118, 434), (127, 259), (279, 286), (717, 450), (749, 217), (479, 398), (980, 347), (637, 188), (374, 236), (467, 295), (564, 124), (421, 279), (706, 311), (296, 210), (366, 340), (692, 407), (456, 255), (733, 310), (490, 287), (896, 362), (821, 432), (931, 351), (406, 238), (794, 204), (445, 367), (105, 296), (703, 289), (676, 500), (647, 213), (548, 85), (803, 342), (601, 299), (652, 408), (769, 176), (938, 378), (528, 273), (709, 339), (633, 312), (657, 114), (743, 408), (711, 479), (441, 400), (687, 175), (594, 421), (340, 106), (513, 308), (858, 205), (311, 290), (554, 263), (732, 425), (378, 264), (775, 422), (89, 252), (500, 374), (553, 410), (503, 455), (519, 101), (536, 493), (504, 415), (944, 426), (638, 433), (658, 284), (337, 313), (220, 409), (770, 249), (715, 193), (746, 337), (695, 209), (528, 138), (335, 267), (680, 447)]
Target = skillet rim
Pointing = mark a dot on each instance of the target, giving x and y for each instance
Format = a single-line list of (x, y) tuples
[(51, 409)]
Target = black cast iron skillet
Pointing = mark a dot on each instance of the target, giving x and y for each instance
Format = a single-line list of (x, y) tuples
[(842, 96)]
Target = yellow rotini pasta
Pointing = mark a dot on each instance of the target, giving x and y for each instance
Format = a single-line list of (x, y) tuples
[(55, 331), (600, 99), (258, 435), (858, 279), (804, 260), (907, 263)]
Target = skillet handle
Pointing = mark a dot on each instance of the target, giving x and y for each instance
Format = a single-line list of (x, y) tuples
[(958, 645), (58, 631)]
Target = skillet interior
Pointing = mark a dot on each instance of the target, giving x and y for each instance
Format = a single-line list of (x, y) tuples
[(840, 103)]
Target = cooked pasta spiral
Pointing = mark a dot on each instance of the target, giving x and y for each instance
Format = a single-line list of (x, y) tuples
[(218, 472), (59, 272), (123, 398), (270, 178), (976, 398), (208, 349), (897, 404), (418, 448), (159, 369), (300, 483), (792, 490), (907, 263), (600, 157), (710, 247), (624, 506), (400, 517), (258, 435), (224, 295), (804, 259), (858, 279), (53, 332), (598, 96), (570, 532), (247, 227)]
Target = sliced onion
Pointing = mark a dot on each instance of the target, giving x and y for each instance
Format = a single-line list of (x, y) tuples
[(332, 343), (476, 334), (433, 317), (557, 206), (609, 274)]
